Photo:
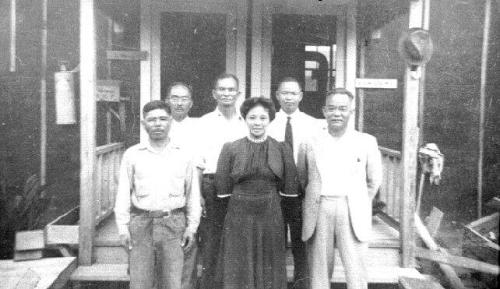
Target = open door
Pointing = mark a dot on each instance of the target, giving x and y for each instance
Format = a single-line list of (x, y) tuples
[(192, 42), (313, 42)]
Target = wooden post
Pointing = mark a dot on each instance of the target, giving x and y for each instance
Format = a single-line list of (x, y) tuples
[(145, 91), (361, 92), (43, 98), (410, 147), (87, 129), (351, 54), (482, 100), (13, 25), (257, 19)]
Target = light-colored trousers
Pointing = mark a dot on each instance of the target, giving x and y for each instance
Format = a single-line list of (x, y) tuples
[(157, 255), (334, 226)]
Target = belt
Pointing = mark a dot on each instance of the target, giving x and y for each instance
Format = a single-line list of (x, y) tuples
[(333, 197), (156, 213), (209, 176)]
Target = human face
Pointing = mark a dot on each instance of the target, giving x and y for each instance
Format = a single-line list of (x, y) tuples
[(289, 96), (257, 120), (180, 102), (337, 111), (226, 92), (157, 124)]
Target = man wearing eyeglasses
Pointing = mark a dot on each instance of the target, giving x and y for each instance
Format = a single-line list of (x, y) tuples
[(341, 171), (222, 125), (183, 131), (180, 99), (293, 127)]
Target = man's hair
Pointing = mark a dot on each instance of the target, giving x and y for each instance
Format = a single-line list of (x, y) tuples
[(252, 102), (339, 90), (225, 76), (289, 79), (180, 83), (155, 104)]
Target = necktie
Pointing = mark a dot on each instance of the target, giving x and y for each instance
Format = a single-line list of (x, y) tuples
[(288, 133)]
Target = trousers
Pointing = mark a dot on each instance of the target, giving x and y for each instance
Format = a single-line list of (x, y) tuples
[(334, 227), (157, 255), (292, 217), (210, 232)]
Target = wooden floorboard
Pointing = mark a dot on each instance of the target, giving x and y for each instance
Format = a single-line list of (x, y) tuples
[(118, 272), (46, 273), (383, 236)]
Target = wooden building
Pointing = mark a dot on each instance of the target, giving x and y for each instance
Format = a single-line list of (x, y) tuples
[(143, 46)]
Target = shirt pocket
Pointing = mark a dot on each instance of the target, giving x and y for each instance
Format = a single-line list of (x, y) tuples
[(178, 177)]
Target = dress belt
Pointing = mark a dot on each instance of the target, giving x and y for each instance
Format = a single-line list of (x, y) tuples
[(156, 213)]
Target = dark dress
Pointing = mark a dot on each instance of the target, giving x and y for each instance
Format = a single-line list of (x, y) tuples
[(253, 242)]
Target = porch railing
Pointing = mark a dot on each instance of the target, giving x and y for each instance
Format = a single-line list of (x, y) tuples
[(106, 178), (390, 188)]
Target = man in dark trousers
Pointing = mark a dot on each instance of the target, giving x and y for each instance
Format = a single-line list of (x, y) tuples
[(222, 125), (293, 127)]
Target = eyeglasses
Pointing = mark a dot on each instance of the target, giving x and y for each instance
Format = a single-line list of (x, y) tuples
[(332, 109), (292, 93), (178, 99)]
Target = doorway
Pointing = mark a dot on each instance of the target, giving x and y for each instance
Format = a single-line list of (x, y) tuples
[(304, 47), (193, 50)]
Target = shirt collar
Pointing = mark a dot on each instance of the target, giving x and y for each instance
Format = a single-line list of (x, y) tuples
[(146, 145), (294, 114), (218, 113)]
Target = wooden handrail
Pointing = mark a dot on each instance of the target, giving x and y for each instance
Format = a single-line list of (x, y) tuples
[(390, 152), (108, 148)]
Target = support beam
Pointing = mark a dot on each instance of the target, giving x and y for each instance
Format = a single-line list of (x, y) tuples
[(43, 97), (257, 40), (87, 129), (146, 68), (410, 146), (482, 106), (13, 25)]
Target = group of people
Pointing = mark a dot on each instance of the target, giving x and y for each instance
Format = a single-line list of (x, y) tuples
[(234, 184)]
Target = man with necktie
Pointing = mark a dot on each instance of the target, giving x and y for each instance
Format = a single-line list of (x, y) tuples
[(293, 127)]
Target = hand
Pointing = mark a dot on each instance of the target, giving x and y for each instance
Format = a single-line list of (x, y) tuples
[(126, 241), (187, 240), (203, 209)]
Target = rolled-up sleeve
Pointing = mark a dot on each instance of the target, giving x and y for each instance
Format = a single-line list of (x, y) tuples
[(122, 203), (193, 197), (373, 168)]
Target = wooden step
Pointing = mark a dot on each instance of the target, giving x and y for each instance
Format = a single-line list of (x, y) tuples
[(110, 255), (118, 272)]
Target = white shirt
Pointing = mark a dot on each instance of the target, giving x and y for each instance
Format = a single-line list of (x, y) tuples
[(215, 131), (184, 132), (336, 163), (158, 180), (303, 125)]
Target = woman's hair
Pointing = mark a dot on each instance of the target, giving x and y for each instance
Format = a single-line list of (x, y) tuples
[(252, 102)]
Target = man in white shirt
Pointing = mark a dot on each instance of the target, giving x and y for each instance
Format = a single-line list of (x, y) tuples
[(157, 204), (183, 131), (341, 171), (293, 127), (222, 125)]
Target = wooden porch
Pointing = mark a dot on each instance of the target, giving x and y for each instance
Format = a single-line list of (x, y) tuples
[(110, 260), (101, 258)]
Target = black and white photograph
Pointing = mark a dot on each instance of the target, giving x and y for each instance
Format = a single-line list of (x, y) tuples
[(249, 144)]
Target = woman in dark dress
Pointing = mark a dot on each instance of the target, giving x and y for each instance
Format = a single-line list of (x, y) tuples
[(251, 171)]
